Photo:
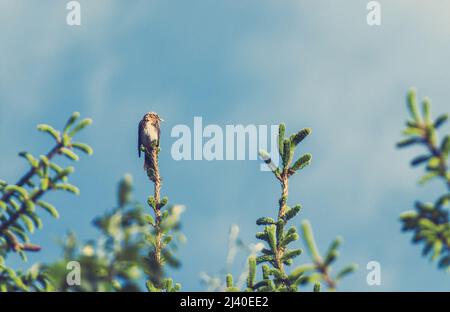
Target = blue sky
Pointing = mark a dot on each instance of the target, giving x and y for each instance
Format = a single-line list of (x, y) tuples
[(306, 63)]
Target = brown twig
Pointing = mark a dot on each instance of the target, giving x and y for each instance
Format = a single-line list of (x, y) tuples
[(324, 270), (284, 181)]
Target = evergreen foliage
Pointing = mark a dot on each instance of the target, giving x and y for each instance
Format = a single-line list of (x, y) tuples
[(429, 222), (21, 203), (114, 261), (164, 235), (278, 253)]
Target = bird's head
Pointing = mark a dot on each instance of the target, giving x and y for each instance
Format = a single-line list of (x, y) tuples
[(152, 117)]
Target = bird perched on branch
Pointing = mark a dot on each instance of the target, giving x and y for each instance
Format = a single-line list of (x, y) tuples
[(148, 138)]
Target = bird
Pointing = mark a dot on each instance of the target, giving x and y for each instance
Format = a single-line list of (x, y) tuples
[(148, 137)]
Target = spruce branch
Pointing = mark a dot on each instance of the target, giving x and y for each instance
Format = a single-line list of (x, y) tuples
[(277, 255), (24, 209), (422, 130), (429, 221), (155, 203), (18, 215), (32, 279), (114, 260), (322, 266)]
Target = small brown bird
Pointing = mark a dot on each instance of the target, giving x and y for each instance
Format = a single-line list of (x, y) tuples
[(148, 136)]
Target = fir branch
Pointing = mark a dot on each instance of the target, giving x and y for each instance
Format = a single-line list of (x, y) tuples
[(277, 253), (423, 131), (18, 201), (28, 200), (156, 203), (26, 178), (323, 265), (430, 221), (114, 260)]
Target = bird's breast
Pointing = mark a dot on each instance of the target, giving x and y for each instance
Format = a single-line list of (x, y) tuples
[(150, 133)]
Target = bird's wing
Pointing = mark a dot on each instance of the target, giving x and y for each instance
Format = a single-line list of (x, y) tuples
[(140, 134)]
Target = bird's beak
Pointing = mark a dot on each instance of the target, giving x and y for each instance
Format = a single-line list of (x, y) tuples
[(160, 119)]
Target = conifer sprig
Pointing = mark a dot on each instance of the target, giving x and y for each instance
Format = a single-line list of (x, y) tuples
[(277, 254), (33, 279), (320, 269), (430, 221), (422, 130), (164, 223), (18, 202), (113, 261)]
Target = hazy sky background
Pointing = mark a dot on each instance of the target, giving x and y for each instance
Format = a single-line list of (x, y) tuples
[(306, 63)]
